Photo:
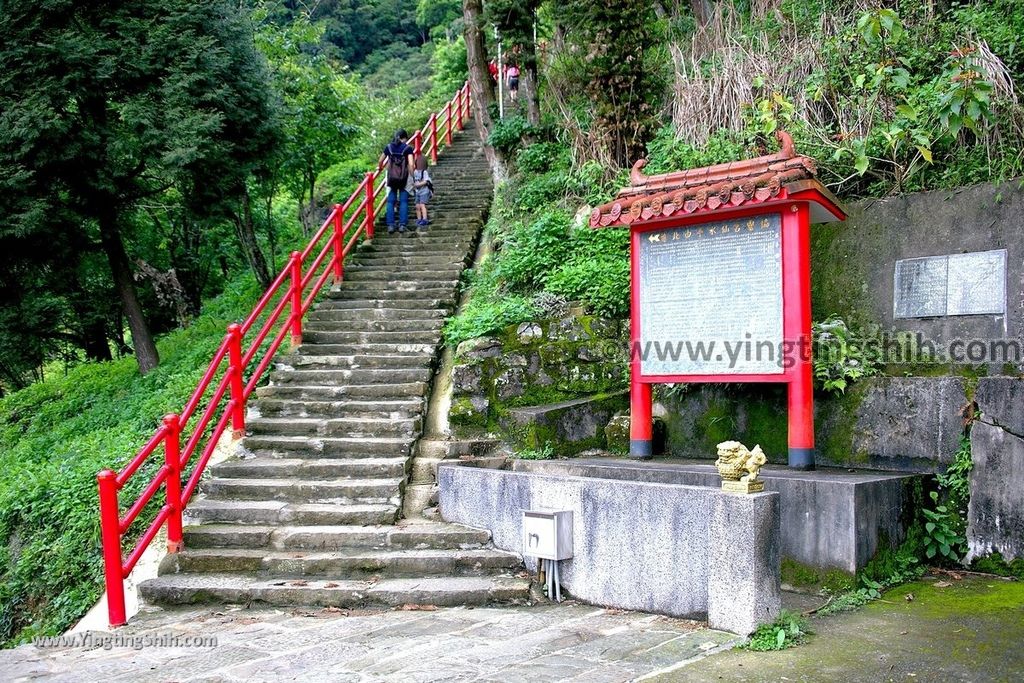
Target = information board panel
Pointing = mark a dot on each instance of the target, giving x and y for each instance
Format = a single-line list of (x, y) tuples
[(711, 298)]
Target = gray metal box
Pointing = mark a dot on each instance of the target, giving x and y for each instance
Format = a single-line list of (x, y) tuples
[(547, 534)]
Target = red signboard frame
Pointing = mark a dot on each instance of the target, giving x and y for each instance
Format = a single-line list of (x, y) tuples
[(797, 204)]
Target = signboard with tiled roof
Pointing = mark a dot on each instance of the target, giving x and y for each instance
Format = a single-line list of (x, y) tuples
[(721, 280)]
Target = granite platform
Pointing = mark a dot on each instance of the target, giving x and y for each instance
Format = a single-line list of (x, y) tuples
[(831, 518)]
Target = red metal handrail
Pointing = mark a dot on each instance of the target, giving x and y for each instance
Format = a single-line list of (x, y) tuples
[(294, 290)]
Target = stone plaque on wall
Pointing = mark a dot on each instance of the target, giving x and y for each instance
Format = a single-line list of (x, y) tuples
[(711, 298), (957, 284)]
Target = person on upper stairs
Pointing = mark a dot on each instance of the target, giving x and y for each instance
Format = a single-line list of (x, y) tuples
[(423, 190), (398, 162), (513, 82)]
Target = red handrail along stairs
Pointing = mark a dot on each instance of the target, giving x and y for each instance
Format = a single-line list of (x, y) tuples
[(295, 288)]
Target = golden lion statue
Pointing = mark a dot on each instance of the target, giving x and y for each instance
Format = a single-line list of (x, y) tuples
[(736, 463)]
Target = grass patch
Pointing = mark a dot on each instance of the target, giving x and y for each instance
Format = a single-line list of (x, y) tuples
[(55, 436), (788, 630)]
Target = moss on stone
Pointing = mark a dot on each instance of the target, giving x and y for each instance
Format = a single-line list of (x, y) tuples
[(717, 424), (769, 428), (805, 577), (464, 413), (995, 564), (841, 413)]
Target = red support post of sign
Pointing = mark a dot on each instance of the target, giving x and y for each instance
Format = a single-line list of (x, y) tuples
[(641, 425), (797, 294), (110, 532), (448, 123), (339, 244), (433, 138), (236, 384), (172, 458), (295, 290), (371, 197)]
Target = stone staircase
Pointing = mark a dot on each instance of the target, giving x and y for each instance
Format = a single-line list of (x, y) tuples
[(308, 512)]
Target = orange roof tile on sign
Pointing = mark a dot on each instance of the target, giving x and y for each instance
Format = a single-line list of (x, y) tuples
[(723, 185)]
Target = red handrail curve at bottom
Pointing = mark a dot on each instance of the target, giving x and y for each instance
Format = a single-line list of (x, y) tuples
[(295, 290)]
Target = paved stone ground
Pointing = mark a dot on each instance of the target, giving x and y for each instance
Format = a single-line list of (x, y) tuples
[(541, 643), (968, 629)]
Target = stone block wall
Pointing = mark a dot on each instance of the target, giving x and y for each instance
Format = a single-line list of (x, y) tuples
[(538, 364)]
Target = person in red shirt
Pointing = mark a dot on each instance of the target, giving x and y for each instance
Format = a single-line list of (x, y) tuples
[(493, 69)]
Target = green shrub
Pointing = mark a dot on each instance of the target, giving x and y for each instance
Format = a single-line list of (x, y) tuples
[(532, 251), (541, 157), (507, 134)]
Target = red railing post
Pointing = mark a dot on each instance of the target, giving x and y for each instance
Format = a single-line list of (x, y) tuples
[(448, 127), (236, 385), (460, 97), (339, 244), (295, 266), (110, 533), (172, 458), (417, 142), (433, 138), (371, 198)]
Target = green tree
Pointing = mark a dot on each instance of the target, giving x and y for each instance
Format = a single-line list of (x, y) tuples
[(618, 71), (320, 105), (105, 106)]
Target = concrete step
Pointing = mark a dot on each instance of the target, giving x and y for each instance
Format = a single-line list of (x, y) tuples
[(318, 447), (364, 361), (447, 304), (353, 391), (334, 426), (327, 537), (410, 408), (347, 563), (340, 491), (400, 349), (311, 468), (387, 280), (352, 314), (397, 337), (341, 376), (432, 324), (445, 263), (358, 290), (260, 511), (190, 589)]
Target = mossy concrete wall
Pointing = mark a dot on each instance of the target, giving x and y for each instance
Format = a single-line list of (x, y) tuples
[(853, 262)]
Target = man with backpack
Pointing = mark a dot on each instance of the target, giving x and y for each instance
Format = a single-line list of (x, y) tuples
[(398, 157)]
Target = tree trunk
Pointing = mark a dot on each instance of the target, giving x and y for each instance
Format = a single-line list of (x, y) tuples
[(246, 232), (701, 11), (145, 349), (94, 340), (480, 79), (530, 78)]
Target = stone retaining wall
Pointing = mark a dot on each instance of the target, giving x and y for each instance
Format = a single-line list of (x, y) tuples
[(685, 551)]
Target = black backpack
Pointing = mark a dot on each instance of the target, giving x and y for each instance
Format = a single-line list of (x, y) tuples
[(398, 167)]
